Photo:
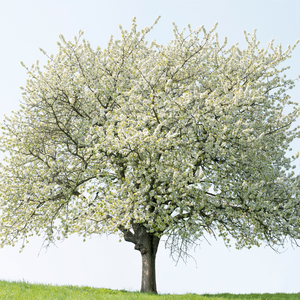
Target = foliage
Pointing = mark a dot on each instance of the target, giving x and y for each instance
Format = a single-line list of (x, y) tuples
[(183, 139)]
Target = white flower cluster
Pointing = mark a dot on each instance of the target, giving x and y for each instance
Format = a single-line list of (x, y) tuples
[(184, 138)]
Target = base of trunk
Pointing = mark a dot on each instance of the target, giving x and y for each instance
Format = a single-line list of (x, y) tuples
[(147, 244), (148, 272)]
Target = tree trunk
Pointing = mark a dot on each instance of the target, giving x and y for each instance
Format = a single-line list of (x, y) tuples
[(148, 265), (147, 244)]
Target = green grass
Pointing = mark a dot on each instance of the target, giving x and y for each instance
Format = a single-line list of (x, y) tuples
[(24, 290)]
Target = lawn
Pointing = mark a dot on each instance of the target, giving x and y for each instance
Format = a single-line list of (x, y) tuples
[(24, 290)]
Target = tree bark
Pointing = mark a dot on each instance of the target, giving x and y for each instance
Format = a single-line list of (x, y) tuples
[(148, 265), (147, 244)]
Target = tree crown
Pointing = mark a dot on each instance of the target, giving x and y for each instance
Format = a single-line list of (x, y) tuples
[(185, 139)]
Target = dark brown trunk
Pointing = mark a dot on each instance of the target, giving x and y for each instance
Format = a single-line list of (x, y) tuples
[(148, 265), (147, 244)]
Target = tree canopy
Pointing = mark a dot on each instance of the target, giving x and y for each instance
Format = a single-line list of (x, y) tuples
[(148, 140)]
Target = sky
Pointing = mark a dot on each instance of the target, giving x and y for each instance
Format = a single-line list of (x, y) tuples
[(103, 261)]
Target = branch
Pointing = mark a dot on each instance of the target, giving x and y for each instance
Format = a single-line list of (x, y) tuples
[(128, 235)]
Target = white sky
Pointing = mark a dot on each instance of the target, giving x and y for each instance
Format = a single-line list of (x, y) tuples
[(100, 262)]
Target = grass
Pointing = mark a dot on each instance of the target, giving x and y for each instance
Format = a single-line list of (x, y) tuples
[(24, 290)]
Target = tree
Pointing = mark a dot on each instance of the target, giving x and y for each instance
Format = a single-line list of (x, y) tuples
[(176, 140)]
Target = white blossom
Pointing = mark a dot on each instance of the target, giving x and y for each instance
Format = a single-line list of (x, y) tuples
[(184, 138)]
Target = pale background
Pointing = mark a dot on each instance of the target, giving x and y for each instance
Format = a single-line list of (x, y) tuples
[(103, 262)]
